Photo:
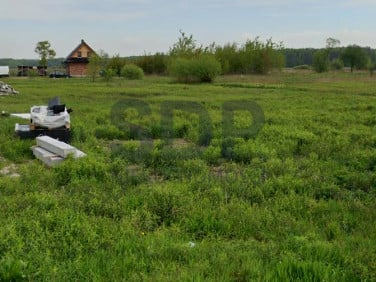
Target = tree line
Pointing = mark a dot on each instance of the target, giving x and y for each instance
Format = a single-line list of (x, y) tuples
[(260, 57), (189, 62)]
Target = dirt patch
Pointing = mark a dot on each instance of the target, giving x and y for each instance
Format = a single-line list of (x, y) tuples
[(9, 170), (218, 171), (178, 143)]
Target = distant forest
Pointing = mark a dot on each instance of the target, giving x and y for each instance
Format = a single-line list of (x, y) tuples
[(297, 57), (293, 58)]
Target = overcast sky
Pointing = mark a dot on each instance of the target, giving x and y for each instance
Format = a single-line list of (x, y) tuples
[(135, 27)]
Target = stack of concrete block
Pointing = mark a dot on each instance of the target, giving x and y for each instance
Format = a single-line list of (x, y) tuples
[(52, 152)]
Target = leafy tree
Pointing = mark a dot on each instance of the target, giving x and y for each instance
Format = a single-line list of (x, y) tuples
[(44, 50), (185, 47), (94, 66), (228, 56), (254, 56), (321, 60), (97, 62), (261, 57), (332, 43), (189, 63), (355, 57)]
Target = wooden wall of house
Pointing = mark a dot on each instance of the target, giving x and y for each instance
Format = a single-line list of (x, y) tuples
[(85, 52)]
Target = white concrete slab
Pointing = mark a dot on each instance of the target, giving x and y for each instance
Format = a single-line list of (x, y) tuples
[(55, 146), (48, 158)]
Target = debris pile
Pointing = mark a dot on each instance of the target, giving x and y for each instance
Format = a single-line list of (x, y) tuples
[(52, 152), (6, 89), (52, 120)]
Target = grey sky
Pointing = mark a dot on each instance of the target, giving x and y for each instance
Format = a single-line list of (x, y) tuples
[(129, 27)]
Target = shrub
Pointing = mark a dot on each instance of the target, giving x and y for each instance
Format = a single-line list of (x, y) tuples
[(336, 64), (321, 61), (204, 68), (108, 74), (132, 71), (182, 69), (207, 68), (116, 63)]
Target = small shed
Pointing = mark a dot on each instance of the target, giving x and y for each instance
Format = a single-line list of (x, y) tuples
[(29, 70), (76, 62)]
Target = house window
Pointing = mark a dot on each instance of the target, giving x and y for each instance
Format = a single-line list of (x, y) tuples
[(79, 54), (88, 54)]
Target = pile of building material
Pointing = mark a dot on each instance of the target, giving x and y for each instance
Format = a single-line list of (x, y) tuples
[(52, 120), (6, 89), (52, 152)]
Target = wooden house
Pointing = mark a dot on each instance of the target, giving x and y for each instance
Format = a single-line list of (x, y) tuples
[(76, 62)]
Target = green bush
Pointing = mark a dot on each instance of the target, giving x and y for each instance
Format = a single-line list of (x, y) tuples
[(132, 71), (336, 64), (204, 68), (108, 74), (321, 61)]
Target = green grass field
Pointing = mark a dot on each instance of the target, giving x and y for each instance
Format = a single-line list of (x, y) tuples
[(295, 203)]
